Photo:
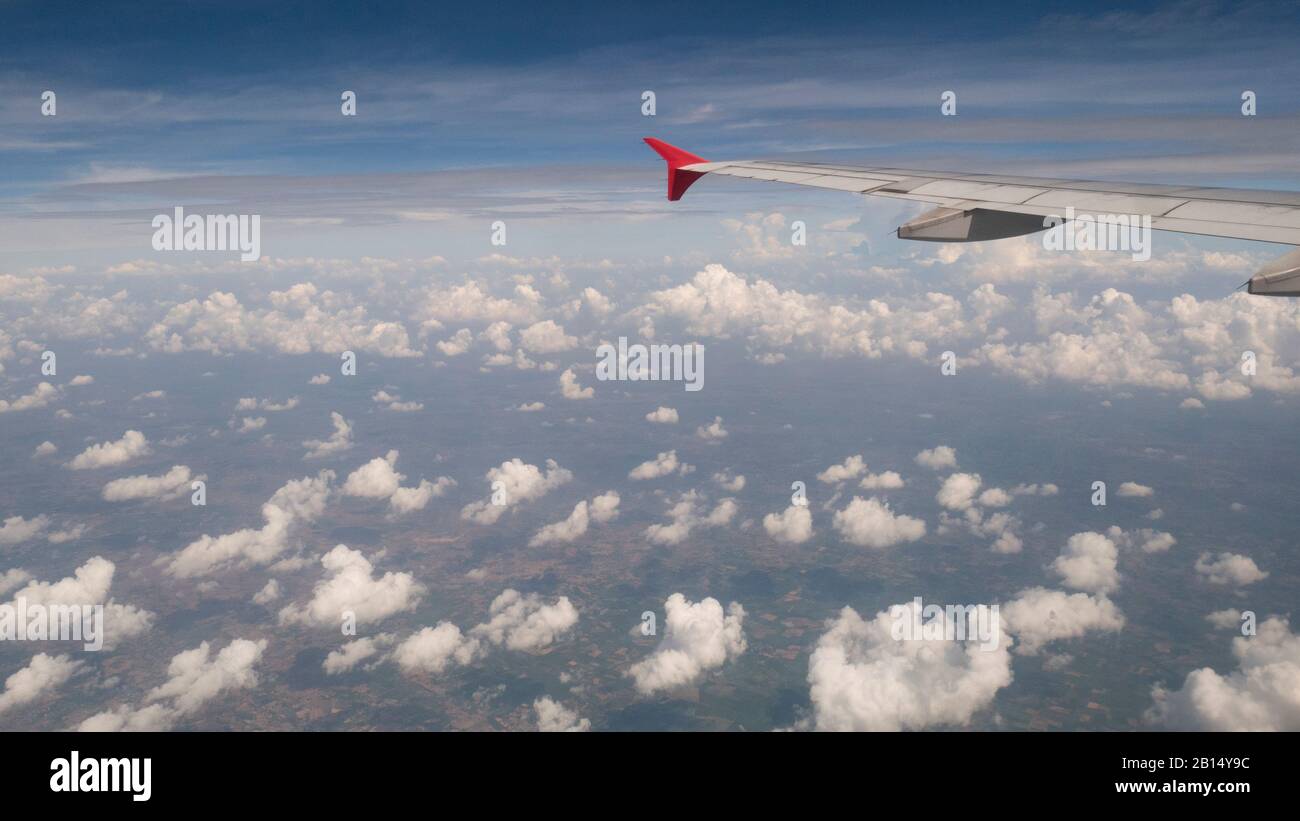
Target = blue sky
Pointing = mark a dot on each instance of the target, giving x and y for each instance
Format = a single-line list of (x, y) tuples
[(474, 113), (476, 363)]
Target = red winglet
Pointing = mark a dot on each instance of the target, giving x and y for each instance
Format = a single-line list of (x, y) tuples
[(678, 180)]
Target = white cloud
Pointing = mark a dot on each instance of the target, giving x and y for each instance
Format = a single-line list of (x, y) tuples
[(269, 592), (195, 677), (793, 525), (351, 587), (1038, 616), (563, 531), (1089, 562), (698, 637), (171, 485), (603, 508), (685, 514), (42, 674), (937, 458), (870, 523), (39, 398), (1229, 568), (958, 491), (109, 454), (863, 679), (339, 441), (378, 479), (888, 480), (1150, 541), (553, 717), (434, 649), (458, 344), (354, 652), (1260, 695), (546, 337), (712, 432), (570, 389), (853, 467), (728, 482), (17, 530), (298, 502), (301, 320), (45, 448), (524, 622), (512, 483), (662, 465), (663, 416), (90, 584), (1134, 489)]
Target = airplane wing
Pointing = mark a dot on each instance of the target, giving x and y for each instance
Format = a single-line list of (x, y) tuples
[(978, 207)]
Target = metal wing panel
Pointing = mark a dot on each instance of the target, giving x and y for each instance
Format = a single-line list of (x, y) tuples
[(1263, 216)]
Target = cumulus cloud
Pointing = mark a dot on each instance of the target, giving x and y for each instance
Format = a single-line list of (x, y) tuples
[(886, 480), (1089, 562), (546, 337), (1260, 695), (300, 320), (937, 458), (570, 389), (1134, 489), (339, 441), (43, 394), (42, 674), (958, 491), (863, 679), (170, 485), (17, 529), (853, 467), (698, 637), (434, 649), (602, 509), (109, 454), (553, 717), (195, 677), (379, 479), (662, 465), (269, 592), (296, 503), (513, 483), (728, 482), (524, 622), (870, 523), (793, 525), (712, 432), (719, 303), (685, 514), (1148, 540), (458, 344), (662, 416), (89, 584), (1038, 616), (355, 652), (1229, 568), (350, 587)]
